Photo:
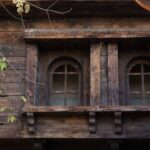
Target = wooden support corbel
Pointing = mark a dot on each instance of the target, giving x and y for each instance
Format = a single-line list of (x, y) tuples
[(118, 122), (92, 122), (31, 123)]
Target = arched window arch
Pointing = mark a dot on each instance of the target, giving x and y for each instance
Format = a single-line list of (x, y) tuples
[(64, 77), (138, 79)]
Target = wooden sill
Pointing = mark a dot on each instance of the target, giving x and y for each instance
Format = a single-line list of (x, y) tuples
[(85, 109)]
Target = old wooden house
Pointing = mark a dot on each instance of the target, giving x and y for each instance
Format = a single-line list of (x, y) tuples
[(86, 76)]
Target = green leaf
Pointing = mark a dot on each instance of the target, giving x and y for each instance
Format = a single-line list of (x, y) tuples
[(11, 118), (27, 8), (3, 109), (22, 98)]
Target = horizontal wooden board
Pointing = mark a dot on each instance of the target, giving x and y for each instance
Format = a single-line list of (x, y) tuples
[(12, 101), (13, 50), (41, 34), (8, 89), (16, 62), (12, 76)]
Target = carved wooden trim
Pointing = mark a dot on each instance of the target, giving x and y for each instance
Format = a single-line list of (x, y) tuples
[(92, 122), (118, 122), (31, 123)]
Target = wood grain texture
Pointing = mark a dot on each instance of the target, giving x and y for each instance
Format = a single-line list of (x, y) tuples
[(95, 74), (113, 79), (31, 73)]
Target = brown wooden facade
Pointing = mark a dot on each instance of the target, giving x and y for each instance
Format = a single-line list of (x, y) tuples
[(99, 97)]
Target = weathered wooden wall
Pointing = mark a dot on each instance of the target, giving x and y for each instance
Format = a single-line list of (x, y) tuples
[(74, 125)]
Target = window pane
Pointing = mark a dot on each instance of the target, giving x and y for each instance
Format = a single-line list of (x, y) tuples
[(57, 100), (147, 99), (146, 68), (70, 68), (147, 82), (72, 82), (136, 69), (135, 99), (60, 69), (73, 100), (58, 82), (135, 83)]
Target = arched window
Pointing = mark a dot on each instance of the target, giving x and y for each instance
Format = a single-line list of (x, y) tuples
[(139, 82), (64, 83)]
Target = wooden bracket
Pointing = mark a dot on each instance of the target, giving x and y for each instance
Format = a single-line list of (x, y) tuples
[(31, 123), (92, 122), (118, 122)]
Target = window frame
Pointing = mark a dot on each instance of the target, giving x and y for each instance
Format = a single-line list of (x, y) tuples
[(130, 66), (51, 71)]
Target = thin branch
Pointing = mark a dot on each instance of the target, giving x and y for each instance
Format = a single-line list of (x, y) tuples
[(9, 12), (50, 10), (52, 4), (22, 21), (49, 20)]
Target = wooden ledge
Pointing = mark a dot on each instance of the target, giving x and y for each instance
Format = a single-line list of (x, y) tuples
[(85, 109), (43, 34)]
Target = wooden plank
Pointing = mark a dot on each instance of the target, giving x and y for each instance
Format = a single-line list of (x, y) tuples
[(31, 73), (12, 89), (12, 101), (13, 50), (41, 34), (86, 109), (95, 74), (16, 62), (113, 79), (12, 76)]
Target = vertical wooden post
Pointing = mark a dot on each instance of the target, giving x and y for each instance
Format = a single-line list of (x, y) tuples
[(113, 80), (95, 74), (31, 73)]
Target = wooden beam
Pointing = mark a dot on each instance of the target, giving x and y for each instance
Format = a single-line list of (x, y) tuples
[(86, 109), (31, 73), (113, 79), (95, 74), (42, 34)]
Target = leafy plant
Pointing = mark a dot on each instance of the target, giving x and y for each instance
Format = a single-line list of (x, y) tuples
[(22, 6), (11, 118), (23, 99), (3, 63)]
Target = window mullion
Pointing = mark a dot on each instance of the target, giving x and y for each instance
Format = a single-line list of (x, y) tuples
[(65, 86), (143, 88)]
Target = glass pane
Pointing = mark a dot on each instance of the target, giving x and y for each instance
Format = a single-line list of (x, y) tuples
[(57, 99), (146, 68), (147, 82), (135, 99), (72, 82), (135, 83), (60, 68), (70, 68), (147, 99), (136, 69), (58, 82), (73, 100)]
